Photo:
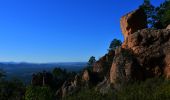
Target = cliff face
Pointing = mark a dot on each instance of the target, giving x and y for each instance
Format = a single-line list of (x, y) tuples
[(133, 21), (145, 53), (104, 63)]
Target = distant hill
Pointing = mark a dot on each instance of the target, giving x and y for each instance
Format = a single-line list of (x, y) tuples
[(25, 70)]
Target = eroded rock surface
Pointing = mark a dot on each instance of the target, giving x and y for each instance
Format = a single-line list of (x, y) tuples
[(132, 22), (104, 62), (168, 27), (149, 51)]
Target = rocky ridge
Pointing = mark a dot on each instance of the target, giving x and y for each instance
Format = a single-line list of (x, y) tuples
[(145, 53)]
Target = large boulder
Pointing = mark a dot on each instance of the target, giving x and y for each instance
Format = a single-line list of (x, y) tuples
[(149, 57), (145, 54), (133, 21)]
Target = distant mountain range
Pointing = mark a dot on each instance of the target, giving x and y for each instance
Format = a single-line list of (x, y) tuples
[(24, 70)]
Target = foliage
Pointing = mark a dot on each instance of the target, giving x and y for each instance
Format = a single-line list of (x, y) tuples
[(90, 94), (150, 12), (12, 90), (91, 61), (42, 78), (163, 14), (59, 74), (39, 93), (151, 89), (158, 17), (2, 73), (114, 44)]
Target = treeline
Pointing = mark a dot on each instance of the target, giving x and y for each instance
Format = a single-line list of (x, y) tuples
[(42, 87), (158, 17)]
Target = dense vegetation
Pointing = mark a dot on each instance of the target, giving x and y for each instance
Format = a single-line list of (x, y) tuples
[(158, 17), (43, 86), (151, 89)]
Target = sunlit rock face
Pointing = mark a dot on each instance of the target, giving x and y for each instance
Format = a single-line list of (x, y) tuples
[(103, 62), (148, 56), (124, 67), (86, 76), (133, 21), (168, 27), (152, 50)]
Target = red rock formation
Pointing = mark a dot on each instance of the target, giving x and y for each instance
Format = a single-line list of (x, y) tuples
[(168, 27), (132, 22), (86, 76), (124, 67), (101, 63), (151, 50)]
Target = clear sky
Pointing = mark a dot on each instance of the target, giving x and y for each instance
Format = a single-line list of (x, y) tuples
[(60, 30)]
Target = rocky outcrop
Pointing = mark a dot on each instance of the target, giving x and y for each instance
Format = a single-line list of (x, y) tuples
[(168, 27), (69, 87), (104, 86), (149, 51), (132, 22), (103, 62), (124, 67), (86, 76)]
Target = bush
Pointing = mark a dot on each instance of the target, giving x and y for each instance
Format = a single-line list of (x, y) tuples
[(11, 90), (39, 93), (151, 89), (90, 94)]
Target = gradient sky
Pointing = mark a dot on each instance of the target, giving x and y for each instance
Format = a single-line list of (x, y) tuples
[(60, 30)]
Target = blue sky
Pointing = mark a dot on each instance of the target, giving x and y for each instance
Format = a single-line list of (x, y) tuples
[(60, 30)]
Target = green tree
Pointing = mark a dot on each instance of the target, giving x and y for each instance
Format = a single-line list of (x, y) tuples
[(114, 44), (163, 15), (12, 90), (150, 12), (2, 73), (91, 61), (158, 17), (39, 93)]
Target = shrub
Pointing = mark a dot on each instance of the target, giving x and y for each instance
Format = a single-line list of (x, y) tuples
[(39, 93)]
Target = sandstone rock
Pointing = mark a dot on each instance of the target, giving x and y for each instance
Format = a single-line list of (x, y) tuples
[(152, 49), (168, 27), (124, 67), (104, 86), (69, 87), (133, 21), (149, 56), (103, 61), (86, 76)]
